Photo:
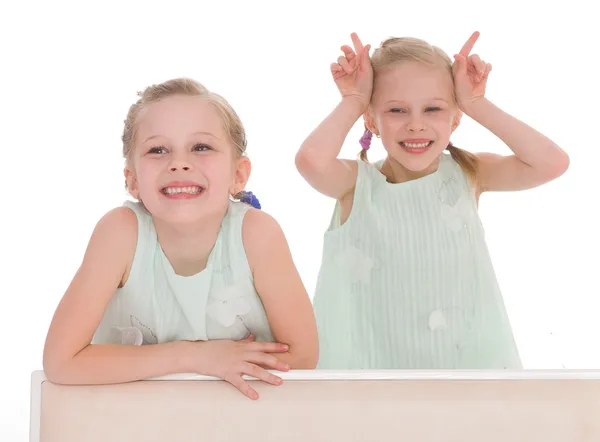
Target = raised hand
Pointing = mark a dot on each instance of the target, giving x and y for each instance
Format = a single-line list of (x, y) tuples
[(353, 73), (470, 74), (230, 360)]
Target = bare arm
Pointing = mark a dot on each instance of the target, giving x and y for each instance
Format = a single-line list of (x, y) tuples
[(317, 159), (69, 357), (536, 160), (282, 292)]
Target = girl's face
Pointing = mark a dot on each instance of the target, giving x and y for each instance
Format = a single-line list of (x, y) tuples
[(414, 111), (183, 166)]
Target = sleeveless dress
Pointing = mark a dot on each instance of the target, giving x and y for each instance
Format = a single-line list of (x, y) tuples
[(407, 281), (156, 305)]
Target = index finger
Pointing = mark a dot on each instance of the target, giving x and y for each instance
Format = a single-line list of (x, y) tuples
[(358, 46), (468, 46), (268, 347)]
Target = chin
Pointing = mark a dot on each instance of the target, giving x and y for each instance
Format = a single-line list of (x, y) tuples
[(417, 163), (183, 218), (178, 213)]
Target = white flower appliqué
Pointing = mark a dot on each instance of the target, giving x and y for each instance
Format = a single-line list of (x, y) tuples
[(456, 208), (358, 265), (437, 321), (226, 305), (126, 336), (458, 215)]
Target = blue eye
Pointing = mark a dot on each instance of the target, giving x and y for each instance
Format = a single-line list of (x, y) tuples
[(157, 149), (202, 147)]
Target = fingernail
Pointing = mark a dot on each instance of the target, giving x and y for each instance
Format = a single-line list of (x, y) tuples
[(286, 347)]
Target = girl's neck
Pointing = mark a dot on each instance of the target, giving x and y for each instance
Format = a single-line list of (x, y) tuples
[(188, 246), (396, 173)]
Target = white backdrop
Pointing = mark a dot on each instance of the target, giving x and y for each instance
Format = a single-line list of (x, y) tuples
[(69, 71)]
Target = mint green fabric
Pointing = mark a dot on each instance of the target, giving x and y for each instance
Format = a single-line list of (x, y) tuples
[(156, 305), (407, 281)]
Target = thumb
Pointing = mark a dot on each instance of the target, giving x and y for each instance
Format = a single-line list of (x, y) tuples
[(366, 58), (460, 65)]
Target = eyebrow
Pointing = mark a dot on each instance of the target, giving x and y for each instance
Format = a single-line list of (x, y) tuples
[(430, 99), (151, 137)]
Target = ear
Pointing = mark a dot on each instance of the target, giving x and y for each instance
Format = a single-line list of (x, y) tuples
[(132, 183), (456, 119), (243, 167), (370, 122)]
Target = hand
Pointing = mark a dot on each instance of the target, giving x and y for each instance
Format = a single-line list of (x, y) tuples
[(230, 360), (353, 73), (470, 75)]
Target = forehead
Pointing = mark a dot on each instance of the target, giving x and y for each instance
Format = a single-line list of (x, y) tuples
[(179, 115), (412, 81)]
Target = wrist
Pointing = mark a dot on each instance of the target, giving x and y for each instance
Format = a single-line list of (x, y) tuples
[(475, 107), (355, 104), (186, 356)]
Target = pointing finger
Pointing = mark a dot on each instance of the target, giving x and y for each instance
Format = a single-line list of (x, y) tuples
[(468, 46)]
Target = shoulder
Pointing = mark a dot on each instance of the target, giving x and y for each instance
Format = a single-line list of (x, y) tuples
[(462, 163), (367, 170), (119, 223), (115, 238), (368, 174), (262, 236), (259, 225)]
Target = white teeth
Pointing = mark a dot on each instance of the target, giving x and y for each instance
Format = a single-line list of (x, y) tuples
[(416, 145), (175, 190)]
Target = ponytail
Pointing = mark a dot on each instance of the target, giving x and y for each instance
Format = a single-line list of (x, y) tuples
[(363, 155), (466, 160)]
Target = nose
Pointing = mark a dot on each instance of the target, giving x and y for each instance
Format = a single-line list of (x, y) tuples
[(174, 168), (416, 124), (179, 162)]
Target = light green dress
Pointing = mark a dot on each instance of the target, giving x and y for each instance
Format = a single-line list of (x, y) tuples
[(407, 281), (156, 305)]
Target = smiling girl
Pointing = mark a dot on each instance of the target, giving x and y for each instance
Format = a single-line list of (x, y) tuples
[(188, 278)]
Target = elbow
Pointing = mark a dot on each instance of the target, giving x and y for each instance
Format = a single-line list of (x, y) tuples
[(557, 163), (309, 162), (303, 161), (304, 359), (561, 163), (55, 371), (58, 369)]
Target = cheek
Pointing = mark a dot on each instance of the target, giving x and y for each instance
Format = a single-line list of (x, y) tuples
[(441, 120), (390, 123), (218, 169), (147, 172)]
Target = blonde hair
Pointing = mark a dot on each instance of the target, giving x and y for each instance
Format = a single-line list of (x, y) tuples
[(396, 50), (184, 86)]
